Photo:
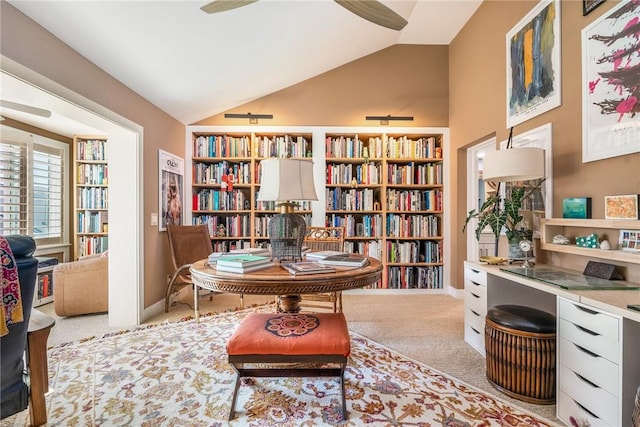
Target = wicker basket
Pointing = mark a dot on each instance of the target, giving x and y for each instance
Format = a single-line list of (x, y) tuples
[(521, 364)]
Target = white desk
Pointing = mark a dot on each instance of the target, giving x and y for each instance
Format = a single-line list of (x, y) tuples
[(487, 285)]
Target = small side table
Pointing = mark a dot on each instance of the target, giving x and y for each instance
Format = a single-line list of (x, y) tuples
[(37, 335)]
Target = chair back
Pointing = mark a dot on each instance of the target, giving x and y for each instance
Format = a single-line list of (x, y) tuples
[(324, 238), (188, 243)]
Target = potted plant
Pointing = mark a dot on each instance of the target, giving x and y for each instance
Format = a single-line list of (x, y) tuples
[(498, 213)]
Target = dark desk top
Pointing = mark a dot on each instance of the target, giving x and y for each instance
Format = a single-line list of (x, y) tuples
[(570, 280)]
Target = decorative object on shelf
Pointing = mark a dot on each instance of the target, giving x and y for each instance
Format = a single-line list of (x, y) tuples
[(602, 270), (576, 207), (622, 207), (493, 260), (526, 246), (589, 241), (609, 84), (629, 240), (559, 239), (533, 49), (285, 180), (588, 6), (171, 176), (605, 245)]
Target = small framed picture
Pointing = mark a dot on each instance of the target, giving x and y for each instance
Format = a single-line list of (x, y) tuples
[(621, 207), (589, 5), (576, 207), (629, 240)]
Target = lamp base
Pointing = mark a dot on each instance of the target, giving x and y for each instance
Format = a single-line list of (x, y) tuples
[(286, 233)]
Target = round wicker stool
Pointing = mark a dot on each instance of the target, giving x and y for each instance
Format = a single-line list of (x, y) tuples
[(521, 352)]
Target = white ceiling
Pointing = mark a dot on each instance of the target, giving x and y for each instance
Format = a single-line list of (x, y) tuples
[(193, 65)]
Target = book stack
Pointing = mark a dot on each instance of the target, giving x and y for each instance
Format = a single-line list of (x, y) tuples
[(243, 263), (349, 260), (252, 251), (317, 255), (306, 267)]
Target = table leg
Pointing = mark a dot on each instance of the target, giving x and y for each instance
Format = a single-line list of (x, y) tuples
[(39, 375), (196, 303), (290, 303)]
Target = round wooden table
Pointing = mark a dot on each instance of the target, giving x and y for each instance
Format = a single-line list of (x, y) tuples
[(275, 280)]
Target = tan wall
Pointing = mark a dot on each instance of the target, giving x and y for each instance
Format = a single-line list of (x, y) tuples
[(478, 108), (29, 44)]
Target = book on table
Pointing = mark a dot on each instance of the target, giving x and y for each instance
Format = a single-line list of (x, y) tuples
[(244, 269), (306, 267), (350, 260), (324, 254), (242, 260), (252, 251)]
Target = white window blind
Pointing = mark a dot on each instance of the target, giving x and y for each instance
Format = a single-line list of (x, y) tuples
[(32, 186)]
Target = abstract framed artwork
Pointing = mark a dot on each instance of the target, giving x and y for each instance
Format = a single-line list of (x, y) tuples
[(171, 170), (588, 6), (611, 84), (533, 63)]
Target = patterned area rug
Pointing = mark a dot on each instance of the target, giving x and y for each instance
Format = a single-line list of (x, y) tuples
[(176, 374)]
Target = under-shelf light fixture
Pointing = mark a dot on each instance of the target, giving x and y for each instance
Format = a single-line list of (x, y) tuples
[(253, 118), (384, 120)]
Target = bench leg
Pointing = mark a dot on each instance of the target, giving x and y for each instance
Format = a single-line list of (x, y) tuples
[(234, 398), (344, 399)]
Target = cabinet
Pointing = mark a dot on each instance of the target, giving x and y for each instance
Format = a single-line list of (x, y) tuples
[(91, 199), (605, 228), (44, 287), (589, 365), (226, 182), (475, 307), (387, 191)]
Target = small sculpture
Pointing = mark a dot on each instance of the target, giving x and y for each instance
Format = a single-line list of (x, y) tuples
[(221, 232), (605, 245), (560, 240)]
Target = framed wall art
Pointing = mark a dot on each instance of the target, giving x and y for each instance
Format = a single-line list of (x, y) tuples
[(171, 178), (610, 82), (629, 240), (622, 207), (588, 6), (533, 63)]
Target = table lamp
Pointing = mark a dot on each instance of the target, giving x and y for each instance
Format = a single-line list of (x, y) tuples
[(285, 180)]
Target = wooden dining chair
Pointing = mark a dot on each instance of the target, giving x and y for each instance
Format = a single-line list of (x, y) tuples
[(323, 239)]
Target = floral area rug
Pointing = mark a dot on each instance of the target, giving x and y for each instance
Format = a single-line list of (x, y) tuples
[(176, 374)]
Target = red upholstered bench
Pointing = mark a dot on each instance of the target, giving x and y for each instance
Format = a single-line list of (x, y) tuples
[(319, 342)]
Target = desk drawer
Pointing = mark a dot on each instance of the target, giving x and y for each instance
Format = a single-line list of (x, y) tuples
[(475, 288), (475, 275), (473, 319), (596, 369), (589, 318), (594, 399), (475, 338), (475, 303), (599, 344), (567, 408)]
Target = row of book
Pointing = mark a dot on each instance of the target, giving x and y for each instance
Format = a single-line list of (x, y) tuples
[(283, 146), (207, 173), (407, 148), (370, 248), (357, 226), (208, 199), (221, 146), (353, 147), (92, 174), (401, 277), (365, 174), (414, 252), (413, 225), (91, 149), (225, 225), (92, 222), (411, 174), (414, 200), (93, 198), (45, 285), (90, 245), (352, 199)]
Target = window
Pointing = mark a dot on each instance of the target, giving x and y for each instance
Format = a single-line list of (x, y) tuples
[(33, 176)]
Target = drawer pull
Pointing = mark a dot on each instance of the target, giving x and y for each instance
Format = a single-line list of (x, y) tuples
[(477, 296), (586, 380), (475, 330), (586, 310), (474, 270), (585, 409), (477, 314), (583, 329), (584, 350), (475, 283)]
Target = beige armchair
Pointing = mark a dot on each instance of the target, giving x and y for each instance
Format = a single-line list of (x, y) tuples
[(81, 287)]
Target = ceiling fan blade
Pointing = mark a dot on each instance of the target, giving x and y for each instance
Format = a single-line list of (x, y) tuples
[(25, 108), (374, 11), (224, 5)]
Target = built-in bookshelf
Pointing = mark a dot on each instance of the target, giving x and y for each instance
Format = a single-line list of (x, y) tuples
[(91, 200), (226, 183), (387, 191), (385, 186)]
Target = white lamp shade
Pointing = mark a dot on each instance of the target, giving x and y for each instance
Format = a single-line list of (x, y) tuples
[(513, 164), (285, 179)]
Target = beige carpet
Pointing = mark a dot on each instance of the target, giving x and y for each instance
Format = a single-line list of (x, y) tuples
[(424, 327)]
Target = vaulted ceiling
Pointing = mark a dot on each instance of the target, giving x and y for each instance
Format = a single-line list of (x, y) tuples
[(193, 65)]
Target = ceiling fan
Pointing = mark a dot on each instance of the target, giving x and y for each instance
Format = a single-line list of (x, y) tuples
[(371, 10)]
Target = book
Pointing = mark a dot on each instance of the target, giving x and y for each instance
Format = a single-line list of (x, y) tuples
[(244, 269), (346, 260), (252, 251), (242, 260), (306, 267), (324, 254)]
